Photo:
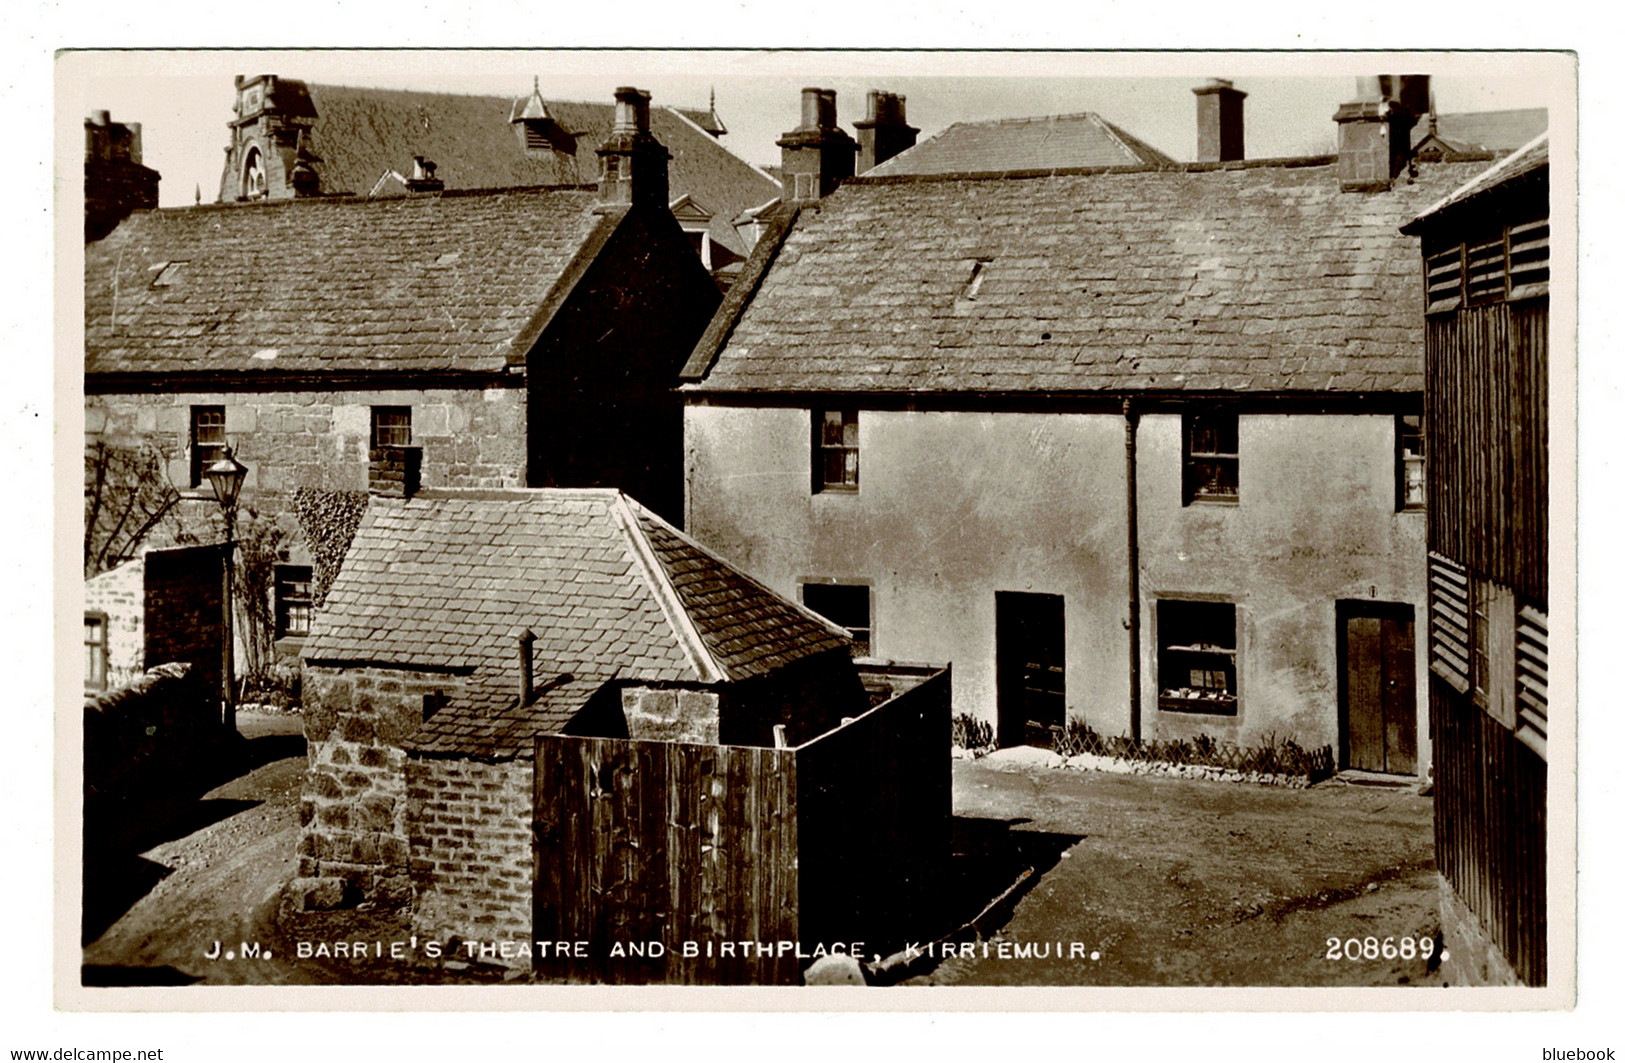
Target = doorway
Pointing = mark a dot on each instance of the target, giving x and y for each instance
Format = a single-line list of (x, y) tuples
[(1376, 652), (1030, 662)]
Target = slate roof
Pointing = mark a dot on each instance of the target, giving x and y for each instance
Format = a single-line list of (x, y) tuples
[(1220, 278), (1495, 131), (360, 133), (1053, 142), (609, 590), (421, 283)]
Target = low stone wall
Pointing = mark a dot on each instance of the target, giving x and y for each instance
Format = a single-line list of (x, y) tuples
[(471, 851), (353, 841), (1473, 959)]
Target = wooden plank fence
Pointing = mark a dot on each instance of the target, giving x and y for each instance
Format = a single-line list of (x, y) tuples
[(656, 855)]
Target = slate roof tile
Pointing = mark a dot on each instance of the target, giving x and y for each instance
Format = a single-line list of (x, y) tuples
[(598, 612), (1042, 143), (329, 285), (359, 133), (1259, 278)]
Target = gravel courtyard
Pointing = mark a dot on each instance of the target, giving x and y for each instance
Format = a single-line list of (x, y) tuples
[(1186, 882)]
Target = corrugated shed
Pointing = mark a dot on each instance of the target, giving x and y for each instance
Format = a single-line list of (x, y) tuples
[(1048, 143), (420, 283), (1234, 279)]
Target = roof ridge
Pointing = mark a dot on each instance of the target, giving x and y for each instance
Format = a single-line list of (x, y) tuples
[(654, 574), (643, 513), (673, 109)]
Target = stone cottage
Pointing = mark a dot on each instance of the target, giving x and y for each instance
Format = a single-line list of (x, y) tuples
[(519, 337), (467, 623), (1133, 446)]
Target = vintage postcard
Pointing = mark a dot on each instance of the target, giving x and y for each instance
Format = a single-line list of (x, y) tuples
[(817, 530)]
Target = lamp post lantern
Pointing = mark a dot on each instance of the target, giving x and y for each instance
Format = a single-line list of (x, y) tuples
[(226, 477)]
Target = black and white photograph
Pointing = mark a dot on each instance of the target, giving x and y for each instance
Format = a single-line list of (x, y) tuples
[(835, 530)]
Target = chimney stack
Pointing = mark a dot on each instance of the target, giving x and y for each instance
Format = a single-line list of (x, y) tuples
[(1374, 131), (817, 155), (632, 163), (1219, 123), (884, 131), (116, 183)]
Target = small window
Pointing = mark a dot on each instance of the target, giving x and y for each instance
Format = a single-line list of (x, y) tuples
[(1531, 679), (1196, 657), (391, 426), (95, 651), (1447, 616), (835, 450), (292, 592), (1212, 457), (1409, 466), (254, 182), (846, 604), (208, 439)]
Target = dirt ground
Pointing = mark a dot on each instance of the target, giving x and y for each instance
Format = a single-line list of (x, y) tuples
[(1185, 882), (1133, 880)]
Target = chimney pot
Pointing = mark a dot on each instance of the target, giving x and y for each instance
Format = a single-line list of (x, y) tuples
[(526, 639), (631, 111), (101, 118), (884, 130)]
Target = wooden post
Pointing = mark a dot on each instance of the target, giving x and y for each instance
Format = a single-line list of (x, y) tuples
[(1131, 422)]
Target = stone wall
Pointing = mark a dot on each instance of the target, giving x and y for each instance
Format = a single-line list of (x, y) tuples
[(1473, 958), (353, 841), (469, 437), (185, 611), (118, 595), (668, 715), (471, 848)]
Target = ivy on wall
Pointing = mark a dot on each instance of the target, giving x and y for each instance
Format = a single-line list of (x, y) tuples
[(329, 520)]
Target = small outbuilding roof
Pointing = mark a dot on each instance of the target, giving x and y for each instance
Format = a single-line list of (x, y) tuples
[(608, 589)]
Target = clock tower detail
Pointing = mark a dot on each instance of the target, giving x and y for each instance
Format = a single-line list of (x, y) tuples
[(269, 155)]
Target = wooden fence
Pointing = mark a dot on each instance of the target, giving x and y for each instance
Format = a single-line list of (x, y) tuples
[(1489, 826), (673, 862)]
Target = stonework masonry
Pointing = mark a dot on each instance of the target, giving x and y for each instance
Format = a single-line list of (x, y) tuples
[(353, 840), (1474, 959), (117, 594), (471, 847), (470, 437)]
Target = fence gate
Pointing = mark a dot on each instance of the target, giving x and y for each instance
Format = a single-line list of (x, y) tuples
[(647, 849)]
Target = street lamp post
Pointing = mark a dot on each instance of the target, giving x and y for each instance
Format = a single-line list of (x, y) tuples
[(226, 477)]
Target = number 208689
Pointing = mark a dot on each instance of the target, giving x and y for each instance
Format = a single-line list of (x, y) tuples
[(1371, 948)]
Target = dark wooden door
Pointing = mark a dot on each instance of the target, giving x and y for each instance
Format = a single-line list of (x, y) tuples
[(1031, 665), (1379, 687)]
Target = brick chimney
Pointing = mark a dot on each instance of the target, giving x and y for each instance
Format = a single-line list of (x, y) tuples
[(1374, 131), (116, 184), (817, 154), (1218, 122), (884, 131), (631, 162)]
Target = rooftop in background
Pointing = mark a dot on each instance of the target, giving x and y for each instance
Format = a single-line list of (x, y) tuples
[(360, 134), (1495, 131), (1532, 157), (1233, 277), (447, 282), (1044, 143), (609, 590)]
